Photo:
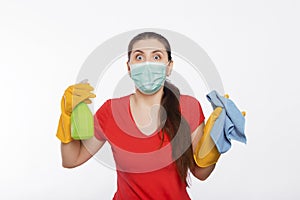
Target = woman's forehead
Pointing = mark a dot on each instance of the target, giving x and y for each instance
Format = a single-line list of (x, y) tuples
[(148, 45)]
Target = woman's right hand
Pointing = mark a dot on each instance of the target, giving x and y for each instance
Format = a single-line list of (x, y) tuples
[(75, 94)]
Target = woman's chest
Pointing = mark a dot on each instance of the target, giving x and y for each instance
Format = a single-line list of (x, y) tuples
[(134, 152)]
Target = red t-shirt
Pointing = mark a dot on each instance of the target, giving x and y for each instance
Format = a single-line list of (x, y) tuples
[(144, 171)]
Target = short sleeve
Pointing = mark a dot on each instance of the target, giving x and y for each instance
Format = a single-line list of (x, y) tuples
[(192, 111), (100, 120)]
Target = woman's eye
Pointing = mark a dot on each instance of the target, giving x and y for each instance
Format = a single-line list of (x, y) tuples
[(156, 57), (139, 57)]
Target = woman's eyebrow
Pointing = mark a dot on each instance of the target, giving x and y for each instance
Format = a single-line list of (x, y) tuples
[(138, 51), (157, 51), (152, 51)]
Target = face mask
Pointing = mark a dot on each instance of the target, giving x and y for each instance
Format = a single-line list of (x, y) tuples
[(148, 77)]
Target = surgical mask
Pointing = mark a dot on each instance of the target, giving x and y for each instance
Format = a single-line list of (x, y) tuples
[(148, 77)]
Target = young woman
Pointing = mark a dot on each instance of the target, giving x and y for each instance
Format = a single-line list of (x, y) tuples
[(153, 132)]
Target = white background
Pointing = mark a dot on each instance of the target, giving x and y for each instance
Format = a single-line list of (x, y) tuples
[(254, 45)]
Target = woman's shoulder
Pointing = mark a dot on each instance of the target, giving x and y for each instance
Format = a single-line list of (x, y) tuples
[(191, 109), (190, 105), (188, 99), (119, 99), (115, 103)]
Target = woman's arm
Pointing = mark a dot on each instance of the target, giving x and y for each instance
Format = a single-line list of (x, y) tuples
[(78, 152), (201, 173)]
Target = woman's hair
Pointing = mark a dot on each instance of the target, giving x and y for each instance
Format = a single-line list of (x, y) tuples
[(175, 124)]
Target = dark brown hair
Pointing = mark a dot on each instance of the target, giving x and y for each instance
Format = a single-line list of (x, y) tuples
[(175, 124)]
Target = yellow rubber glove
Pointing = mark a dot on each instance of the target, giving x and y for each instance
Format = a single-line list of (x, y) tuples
[(206, 152), (73, 95)]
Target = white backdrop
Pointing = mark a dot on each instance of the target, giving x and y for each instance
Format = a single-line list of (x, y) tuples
[(254, 45)]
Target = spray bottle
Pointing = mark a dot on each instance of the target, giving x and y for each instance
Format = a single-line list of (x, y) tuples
[(82, 121)]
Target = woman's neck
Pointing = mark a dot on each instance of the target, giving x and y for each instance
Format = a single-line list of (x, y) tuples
[(141, 99)]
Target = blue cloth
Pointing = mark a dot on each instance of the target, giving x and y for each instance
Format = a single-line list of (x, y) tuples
[(230, 124)]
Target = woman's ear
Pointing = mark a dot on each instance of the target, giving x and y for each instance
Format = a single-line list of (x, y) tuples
[(169, 68), (128, 68)]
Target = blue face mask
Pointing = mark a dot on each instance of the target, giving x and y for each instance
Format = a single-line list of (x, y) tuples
[(148, 77)]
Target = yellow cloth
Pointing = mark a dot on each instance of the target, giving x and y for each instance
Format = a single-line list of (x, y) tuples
[(73, 95)]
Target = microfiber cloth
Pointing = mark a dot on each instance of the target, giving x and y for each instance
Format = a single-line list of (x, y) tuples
[(230, 124)]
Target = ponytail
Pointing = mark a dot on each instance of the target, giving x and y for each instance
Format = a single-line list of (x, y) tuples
[(176, 125)]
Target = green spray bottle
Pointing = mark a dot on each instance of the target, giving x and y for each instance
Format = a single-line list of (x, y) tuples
[(82, 122)]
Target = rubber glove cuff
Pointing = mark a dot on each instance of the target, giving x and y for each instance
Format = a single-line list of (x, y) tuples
[(64, 128), (206, 152)]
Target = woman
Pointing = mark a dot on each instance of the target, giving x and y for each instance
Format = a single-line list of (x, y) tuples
[(152, 154)]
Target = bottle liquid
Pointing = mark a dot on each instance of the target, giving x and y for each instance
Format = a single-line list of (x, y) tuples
[(82, 122)]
